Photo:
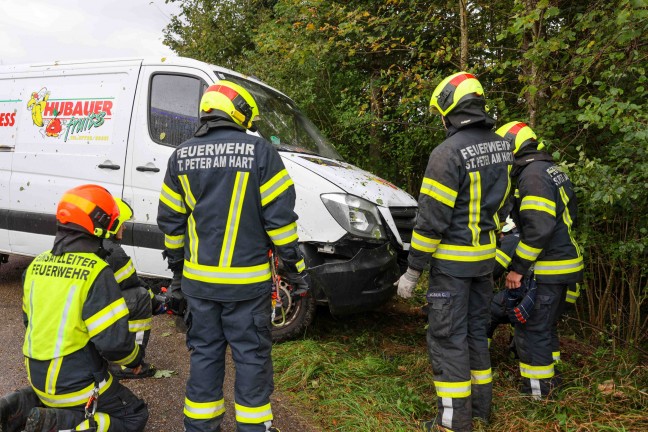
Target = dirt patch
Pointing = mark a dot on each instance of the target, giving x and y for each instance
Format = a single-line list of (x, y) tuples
[(167, 350)]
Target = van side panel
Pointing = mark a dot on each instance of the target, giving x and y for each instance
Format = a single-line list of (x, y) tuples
[(73, 129), (9, 105)]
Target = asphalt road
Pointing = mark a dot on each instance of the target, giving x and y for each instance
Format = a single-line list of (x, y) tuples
[(166, 350)]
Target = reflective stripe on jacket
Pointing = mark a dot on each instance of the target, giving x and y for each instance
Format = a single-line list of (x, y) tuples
[(544, 210), (71, 300), (465, 184), (226, 199)]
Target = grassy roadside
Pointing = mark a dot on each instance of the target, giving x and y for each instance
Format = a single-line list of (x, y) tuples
[(371, 373)]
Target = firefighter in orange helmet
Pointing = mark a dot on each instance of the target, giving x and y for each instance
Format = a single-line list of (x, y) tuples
[(76, 320)]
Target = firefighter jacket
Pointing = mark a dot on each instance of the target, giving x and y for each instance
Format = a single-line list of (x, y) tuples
[(544, 210), (465, 184), (225, 201), (504, 252), (126, 276), (76, 319)]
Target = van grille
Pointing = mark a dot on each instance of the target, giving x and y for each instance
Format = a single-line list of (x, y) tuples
[(404, 218)]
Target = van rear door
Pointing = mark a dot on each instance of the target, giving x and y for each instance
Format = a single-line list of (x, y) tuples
[(73, 128), (165, 115)]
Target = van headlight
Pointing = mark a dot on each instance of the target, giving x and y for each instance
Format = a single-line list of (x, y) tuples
[(356, 215)]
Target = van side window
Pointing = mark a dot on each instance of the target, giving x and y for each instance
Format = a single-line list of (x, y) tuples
[(173, 108)]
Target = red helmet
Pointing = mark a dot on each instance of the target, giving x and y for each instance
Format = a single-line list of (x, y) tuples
[(89, 208)]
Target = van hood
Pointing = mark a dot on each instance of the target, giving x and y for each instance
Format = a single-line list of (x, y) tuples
[(354, 180)]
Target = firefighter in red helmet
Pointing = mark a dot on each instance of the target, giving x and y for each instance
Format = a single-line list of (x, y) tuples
[(545, 211), (465, 185), (219, 222)]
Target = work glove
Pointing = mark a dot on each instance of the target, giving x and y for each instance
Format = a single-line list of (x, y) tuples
[(300, 282), (520, 312), (176, 302), (407, 282)]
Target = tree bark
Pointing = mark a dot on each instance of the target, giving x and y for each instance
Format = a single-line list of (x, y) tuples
[(463, 22)]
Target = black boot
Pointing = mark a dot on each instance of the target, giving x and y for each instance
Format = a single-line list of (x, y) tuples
[(41, 420), (15, 407)]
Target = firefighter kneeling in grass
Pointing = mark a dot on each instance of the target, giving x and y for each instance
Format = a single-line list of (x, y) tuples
[(226, 200), (76, 320)]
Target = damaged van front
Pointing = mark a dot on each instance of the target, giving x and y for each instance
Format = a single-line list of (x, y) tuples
[(354, 227)]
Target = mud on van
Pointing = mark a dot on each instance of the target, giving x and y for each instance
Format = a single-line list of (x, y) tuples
[(116, 122)]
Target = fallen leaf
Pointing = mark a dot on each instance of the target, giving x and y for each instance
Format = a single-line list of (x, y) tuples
[(165, 334), (162, 373)]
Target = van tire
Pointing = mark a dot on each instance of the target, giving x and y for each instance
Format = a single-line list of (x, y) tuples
[(300, 314)]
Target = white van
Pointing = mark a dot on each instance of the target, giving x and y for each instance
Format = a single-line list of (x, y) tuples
[(115, 123)]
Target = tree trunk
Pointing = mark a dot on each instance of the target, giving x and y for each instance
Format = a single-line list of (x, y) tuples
[(530, 69), (463, 18)]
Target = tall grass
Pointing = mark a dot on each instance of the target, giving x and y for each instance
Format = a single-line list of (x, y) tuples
[(371, 373)]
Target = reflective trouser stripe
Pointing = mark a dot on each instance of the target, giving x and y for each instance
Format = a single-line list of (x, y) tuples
[(102, 420), (481, 376), (253, 414), (536, 372), (135, 326), (448, 411), (72, 399), (204, 410), (556, 356), (452, 389)]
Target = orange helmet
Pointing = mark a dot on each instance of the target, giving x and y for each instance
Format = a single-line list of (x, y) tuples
[(89, 208)]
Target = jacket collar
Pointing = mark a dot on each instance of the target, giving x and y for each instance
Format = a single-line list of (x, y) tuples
[(467, 114), (525, 157), (68, 240), (207, 126)]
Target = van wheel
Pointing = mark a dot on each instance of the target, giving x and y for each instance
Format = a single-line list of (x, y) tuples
[(291, 314)]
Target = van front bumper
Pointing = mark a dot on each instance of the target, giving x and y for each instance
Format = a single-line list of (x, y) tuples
[(361, 283)]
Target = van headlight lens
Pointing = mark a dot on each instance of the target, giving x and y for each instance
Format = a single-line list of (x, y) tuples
[(356, 215)]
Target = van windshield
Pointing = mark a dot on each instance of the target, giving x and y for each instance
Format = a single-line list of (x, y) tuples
[(282, 123)]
